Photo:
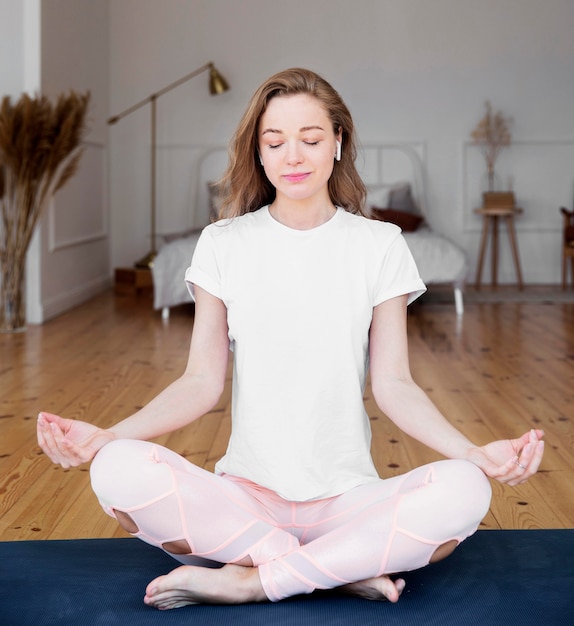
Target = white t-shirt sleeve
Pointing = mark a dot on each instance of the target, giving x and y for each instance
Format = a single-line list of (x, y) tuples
[(204, 270), (398, 274)]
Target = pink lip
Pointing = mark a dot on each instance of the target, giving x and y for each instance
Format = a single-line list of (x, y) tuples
[(295, 178)]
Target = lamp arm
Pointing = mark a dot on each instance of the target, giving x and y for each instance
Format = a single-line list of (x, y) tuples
[(184, 79), (154, 96)]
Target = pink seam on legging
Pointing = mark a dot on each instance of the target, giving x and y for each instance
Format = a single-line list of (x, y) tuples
[(231, 539), (110, 508)]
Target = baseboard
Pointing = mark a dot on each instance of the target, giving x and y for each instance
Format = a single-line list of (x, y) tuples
[(53, 307)]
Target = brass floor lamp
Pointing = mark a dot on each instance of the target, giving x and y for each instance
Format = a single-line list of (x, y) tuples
[(217, 85)]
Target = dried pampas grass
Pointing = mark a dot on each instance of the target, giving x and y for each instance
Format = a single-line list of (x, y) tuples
[(40, 148)]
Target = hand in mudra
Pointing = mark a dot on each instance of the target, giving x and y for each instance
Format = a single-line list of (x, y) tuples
[(511, 461), (70, 442)]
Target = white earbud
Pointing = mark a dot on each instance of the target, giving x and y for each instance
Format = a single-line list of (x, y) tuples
[(338, 153)]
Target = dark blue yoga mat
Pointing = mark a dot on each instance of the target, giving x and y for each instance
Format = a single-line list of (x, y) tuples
[(497, 577)]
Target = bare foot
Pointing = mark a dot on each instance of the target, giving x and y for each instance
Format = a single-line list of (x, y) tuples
[(188, 584), (380, 588)]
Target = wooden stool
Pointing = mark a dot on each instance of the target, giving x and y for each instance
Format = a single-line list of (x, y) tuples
[(491, 217), (132, 280), (567, 246)]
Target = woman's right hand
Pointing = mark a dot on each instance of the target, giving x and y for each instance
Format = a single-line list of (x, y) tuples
[(70, 442)]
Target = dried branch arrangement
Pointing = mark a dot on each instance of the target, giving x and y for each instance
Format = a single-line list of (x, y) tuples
[(40, 148), (492, 135)]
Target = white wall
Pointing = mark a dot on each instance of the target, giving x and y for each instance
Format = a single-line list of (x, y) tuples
[(416, 70), (74, 232), (11, 28)]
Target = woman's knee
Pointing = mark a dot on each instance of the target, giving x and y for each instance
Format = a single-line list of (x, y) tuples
[(107, 463), (469, 487), (478, 485), (125, 471), (457, 498)]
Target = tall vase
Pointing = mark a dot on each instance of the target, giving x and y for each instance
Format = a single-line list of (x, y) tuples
[(490, 181), (12, 299), (490, 175)]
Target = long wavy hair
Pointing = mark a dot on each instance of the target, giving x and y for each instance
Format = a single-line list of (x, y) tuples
[(245, 187)]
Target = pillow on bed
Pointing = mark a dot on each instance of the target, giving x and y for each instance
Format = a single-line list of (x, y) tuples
[(394, 196), (407, 221), (215, 200), (401, 199), (377, 195)]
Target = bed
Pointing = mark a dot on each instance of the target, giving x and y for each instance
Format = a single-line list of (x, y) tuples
[(395, 178)]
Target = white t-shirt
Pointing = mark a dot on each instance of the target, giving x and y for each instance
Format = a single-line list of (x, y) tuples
[(299, 308)]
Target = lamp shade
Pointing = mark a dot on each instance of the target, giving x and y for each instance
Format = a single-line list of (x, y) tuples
[(217, 84)]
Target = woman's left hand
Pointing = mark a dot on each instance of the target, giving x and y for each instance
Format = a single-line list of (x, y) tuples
[(510, 461)]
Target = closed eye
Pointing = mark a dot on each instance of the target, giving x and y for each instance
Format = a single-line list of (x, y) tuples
[(273, 146)]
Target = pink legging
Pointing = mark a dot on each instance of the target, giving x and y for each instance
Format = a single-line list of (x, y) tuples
[(382, 527)]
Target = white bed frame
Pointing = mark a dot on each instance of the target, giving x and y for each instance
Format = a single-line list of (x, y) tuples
[(439, 259)]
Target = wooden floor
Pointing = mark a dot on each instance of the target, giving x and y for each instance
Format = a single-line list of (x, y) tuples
[(499, 371)]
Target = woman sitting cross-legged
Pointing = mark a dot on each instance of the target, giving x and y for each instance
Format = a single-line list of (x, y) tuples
[(309, 295)]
